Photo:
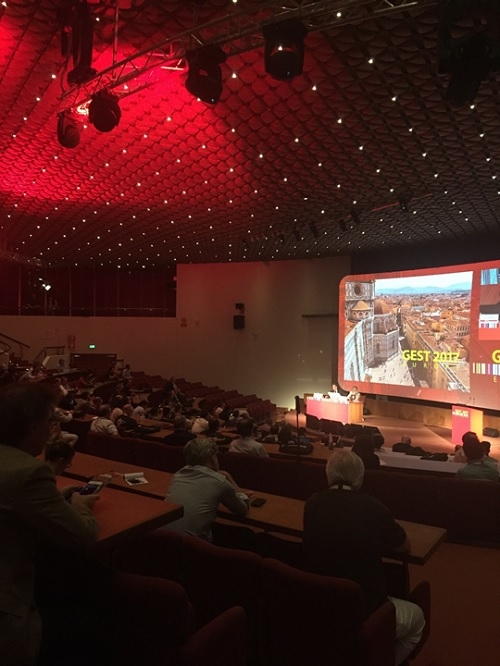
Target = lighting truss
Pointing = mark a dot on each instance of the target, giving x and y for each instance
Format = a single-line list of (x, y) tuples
[(239, 31)]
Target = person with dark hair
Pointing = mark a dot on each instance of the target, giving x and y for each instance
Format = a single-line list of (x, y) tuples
[(477, 468), (181, 435), (246, 443), (212, 432), (31, 510), (200, 487), (285, 435), (486, 452), (346, 533), (364, 447)]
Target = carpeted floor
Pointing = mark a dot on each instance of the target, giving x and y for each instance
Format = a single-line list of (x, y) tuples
[(465, 606)]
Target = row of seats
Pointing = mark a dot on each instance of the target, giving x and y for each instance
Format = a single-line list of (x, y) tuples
[(469, 510), (293, 617), (153, 622)]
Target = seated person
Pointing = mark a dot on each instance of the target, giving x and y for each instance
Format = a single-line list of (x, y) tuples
[(181, 436), (459, 455), (403, 445), (140, 410), (246, 443), (126, 422), (127, 372), (32, 511), (285, 435), (346, 534), (61, 417), (477, 468), (200, 423), (378, 441), (302, 437), (364, 447), (486, 451), (86, 380), (213, 432), (84, 405), (354, 395), (103, 424), (200, 487)]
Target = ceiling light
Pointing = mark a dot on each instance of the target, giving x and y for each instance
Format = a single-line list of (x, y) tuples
[(68, 133), (104, 111), (284, 48), (204, 79)]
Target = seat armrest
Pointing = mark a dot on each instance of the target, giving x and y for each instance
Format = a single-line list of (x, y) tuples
[(378, 635)]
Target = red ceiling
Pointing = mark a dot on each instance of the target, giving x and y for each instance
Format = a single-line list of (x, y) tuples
[(180, 181)]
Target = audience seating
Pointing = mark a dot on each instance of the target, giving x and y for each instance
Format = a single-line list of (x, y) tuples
[(293, 617), (153, 622), (469, 510)]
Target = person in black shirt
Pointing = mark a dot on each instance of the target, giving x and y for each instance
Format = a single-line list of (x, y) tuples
[(346, 533)]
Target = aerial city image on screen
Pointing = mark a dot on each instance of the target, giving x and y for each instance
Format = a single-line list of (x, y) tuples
[(409, 331)]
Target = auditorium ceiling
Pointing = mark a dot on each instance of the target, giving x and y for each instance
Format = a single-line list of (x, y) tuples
[(367, 149)]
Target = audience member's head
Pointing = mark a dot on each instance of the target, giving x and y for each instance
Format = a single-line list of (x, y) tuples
[(25, 416), (405, 439), (179, 422), (469, 435), (486, 447), (345, 468), (285, 434), (201, 452), (59, 455), (104, 411), (128, 409), (472, 448), (245, 428), (97, 401), (213, 424), (363, 445)]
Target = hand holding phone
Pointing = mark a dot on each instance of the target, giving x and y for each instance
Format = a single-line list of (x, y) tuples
[(91, 488)]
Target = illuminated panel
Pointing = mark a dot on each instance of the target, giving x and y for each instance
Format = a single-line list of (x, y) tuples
[(431, 334)]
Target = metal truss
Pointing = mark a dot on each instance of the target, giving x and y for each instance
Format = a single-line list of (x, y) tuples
[(238, 32)]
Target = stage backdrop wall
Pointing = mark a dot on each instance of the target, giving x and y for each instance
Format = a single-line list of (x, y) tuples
[(289, 343), (287, 347)]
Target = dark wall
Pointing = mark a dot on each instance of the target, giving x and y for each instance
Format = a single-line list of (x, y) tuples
[(442, 253), (91, 292)]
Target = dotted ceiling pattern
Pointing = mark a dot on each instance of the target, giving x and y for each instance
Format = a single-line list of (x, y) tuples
[(322, 165)]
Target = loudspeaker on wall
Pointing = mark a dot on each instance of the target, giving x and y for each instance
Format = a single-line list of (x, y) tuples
[(238, 321)]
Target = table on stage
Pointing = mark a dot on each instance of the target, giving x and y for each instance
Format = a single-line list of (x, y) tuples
[(279, 514), (121, 515), (331, 410)]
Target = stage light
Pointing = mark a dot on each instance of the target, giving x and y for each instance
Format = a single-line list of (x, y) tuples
[(45, 284), (68, 132), (104, 111), (284, 48), (204, 79)]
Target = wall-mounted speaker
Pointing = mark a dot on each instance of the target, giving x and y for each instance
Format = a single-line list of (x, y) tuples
[(238, 321)]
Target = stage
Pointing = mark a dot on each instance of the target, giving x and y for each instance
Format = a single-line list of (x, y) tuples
[(434, 439)]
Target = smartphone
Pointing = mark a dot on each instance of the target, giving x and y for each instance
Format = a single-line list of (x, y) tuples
[(91, 488), (258, 501)]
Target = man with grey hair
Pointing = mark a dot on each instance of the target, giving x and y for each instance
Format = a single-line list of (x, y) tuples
[(200, 487), (346, 533)]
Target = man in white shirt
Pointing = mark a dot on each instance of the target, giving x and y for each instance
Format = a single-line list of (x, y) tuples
[(103, 424)]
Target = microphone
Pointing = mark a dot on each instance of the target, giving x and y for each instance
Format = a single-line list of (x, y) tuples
[(297, 404)]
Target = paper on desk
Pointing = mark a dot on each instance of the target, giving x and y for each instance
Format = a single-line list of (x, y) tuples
[(135, 478)]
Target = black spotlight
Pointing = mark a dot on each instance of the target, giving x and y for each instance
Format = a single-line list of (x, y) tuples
[(68, 133), (204, 78), (104, 112), (284, 48)]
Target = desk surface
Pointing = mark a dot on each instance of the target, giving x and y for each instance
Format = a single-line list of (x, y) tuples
[(279, 514), (123, 515)]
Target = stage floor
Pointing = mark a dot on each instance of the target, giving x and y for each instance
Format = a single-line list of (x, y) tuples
[(434, 439)]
